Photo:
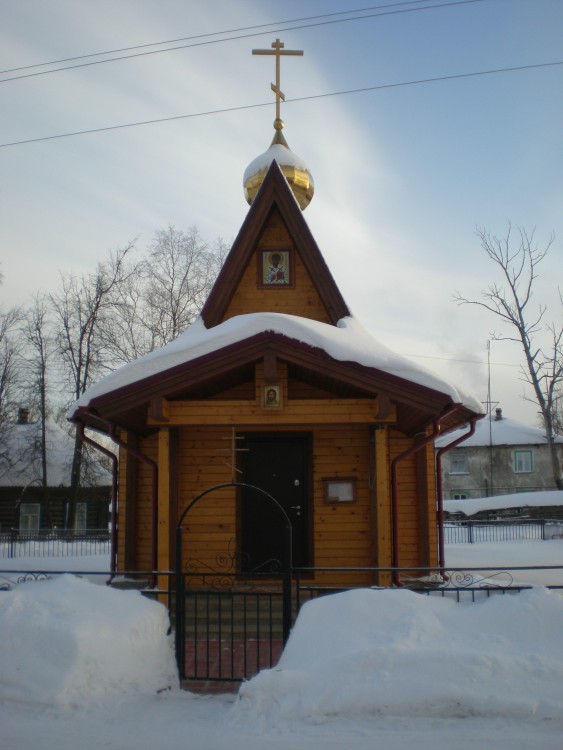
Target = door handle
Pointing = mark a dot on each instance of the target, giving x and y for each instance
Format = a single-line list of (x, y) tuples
[(295, 507)]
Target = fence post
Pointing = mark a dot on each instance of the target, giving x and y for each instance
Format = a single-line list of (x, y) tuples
[(470, 531), (12, 542)]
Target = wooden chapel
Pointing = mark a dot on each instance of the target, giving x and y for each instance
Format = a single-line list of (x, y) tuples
[(276, 385)]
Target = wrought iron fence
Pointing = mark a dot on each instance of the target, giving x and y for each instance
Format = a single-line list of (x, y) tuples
[(471, 532), (54, 543), (232, 627)]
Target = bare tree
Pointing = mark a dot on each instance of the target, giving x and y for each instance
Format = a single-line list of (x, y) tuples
[(9, 347), (178, 274), (510, 300), (125, 333), (162, 294), (9, 376), (38, 343), (79, 308)]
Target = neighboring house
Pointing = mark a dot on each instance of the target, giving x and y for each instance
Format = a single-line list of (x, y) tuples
[(502, 457), (276, 385), (24, 503)]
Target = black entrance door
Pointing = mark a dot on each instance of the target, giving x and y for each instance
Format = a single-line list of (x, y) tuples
[(279, 466)]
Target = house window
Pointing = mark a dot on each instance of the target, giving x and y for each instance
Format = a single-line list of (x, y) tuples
[(29, 516), (523, 463), (459, 463), (459, 496)]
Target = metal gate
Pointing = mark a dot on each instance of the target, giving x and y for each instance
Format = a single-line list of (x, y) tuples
[(229, 625)]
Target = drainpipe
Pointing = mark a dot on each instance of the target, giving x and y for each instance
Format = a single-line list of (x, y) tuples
[(394, 485), (154, 486), (113, 458), (439, 488)]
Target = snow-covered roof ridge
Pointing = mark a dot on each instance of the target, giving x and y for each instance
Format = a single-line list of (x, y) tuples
[(348, 341), (20, 457), (504, 431)]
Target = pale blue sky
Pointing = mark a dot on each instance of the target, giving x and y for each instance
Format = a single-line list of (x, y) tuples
[(403, 175)]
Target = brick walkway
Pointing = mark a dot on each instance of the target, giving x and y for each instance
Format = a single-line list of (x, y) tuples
[(230, 659)]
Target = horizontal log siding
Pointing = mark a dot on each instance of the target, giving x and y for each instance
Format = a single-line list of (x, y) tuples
[(409, 505), (295, 412), (121, 509), (210, 526), (432, 505), (143, 519), (342, 531), (342, 535), (300, 299)]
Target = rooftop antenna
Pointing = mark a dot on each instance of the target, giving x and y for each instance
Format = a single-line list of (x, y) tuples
[(490, 408)]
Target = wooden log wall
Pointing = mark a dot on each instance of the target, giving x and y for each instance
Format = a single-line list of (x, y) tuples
[(416, 504), (353, 534), (301, 299)]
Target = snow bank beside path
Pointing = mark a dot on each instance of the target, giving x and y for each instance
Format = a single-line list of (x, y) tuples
[(67, 642), (394, 652)]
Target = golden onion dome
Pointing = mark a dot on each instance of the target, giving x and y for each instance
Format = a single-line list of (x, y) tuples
[(293, 168)]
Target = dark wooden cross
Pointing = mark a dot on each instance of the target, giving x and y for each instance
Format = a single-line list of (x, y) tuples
[(233, 450)]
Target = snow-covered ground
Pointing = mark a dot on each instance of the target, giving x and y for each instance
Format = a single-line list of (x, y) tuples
[(91, 667)]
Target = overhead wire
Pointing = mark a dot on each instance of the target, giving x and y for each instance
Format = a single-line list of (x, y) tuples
[(310, 97), (211, 34), (237, 38)]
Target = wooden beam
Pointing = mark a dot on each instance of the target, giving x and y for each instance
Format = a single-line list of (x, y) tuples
[(270, 367), (158, 409), (383, 504), (298, 412), (163, 535), (384, 406)]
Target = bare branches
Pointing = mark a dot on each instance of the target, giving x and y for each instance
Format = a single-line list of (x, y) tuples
[(510, 300), (95, 322)]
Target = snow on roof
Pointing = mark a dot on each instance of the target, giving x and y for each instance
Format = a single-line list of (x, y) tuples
[(278, 153), (348, 341), (500, 502), (504, 431), (20, 456)]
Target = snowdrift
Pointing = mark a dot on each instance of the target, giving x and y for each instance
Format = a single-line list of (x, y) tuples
[(399, 653), (67, 642)]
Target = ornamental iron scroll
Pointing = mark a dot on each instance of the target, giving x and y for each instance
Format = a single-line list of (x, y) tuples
[(7, 584), (460, 579), (221, 574)]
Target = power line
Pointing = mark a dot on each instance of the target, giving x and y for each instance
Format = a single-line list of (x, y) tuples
[(213, 33), (462, 361), (236, 38), (311, 97)]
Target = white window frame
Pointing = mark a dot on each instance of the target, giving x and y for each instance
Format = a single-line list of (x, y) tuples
[(523, 462), (30, 517), (461, 457)]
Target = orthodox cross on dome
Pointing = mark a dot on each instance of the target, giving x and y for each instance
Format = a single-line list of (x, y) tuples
[(278, 50)]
